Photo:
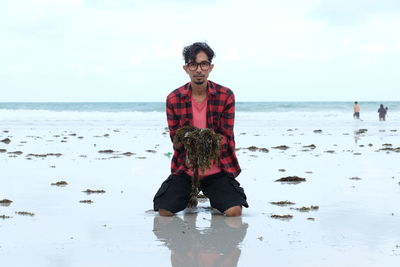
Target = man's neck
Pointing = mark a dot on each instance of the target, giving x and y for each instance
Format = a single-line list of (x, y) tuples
[(199, 90)]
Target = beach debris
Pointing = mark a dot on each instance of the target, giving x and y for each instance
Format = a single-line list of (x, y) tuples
[(355, 178), (312, 146), (128, 154), (281, 170), (394, 130), (80, 137), (289, 179), (361, 131), (282, 147), (52, 166), (60, 183), (307, 209), (4, 217), (282, 217), (15, 153), (260, 149), (72, 134), (311, 219), (397, 149), (387, 145), (282, 203), (151, 151), (357, 153), (3, 150), (242, 133), (202, 148), (45, 155), (309, 172), (330, 151), (25, 213), (107, 151), (5, 131), (90, 191), (317, 131), (168, 154), (260, 238), (5, 202), (6, 141), (141, 157), (86, 201)]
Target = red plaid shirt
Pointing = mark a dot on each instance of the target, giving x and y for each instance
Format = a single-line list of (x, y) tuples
[(220, 118)]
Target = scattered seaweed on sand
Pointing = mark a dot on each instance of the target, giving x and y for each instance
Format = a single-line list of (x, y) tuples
[(6, 141), (86, 201), (141, 157), (4, 217), (90, 191), (15, 153), (311, 147), (45, 155), (387, 149), (307, 209), (330, 151), (5, 202), (128, 154), (151, 151), (308, 172), (3, 150), (357, 153), (281, 170), (355, 178), (202, 148), (317, 131), (282, 147), (260, 238), (291, 179), (282, 203), (260, 149), (361, 131), (25, 213), (60, 183), (107, 151), (282, 217), (311, 219)]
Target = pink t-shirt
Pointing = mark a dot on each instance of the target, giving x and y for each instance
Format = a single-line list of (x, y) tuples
[(200, 121)]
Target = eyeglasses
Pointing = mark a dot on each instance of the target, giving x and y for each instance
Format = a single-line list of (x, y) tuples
[(204, 65)]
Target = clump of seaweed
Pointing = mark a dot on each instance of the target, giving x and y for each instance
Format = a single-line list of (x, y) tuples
[(291, 179), (90, 191), (282, 217), (202, 146), (60, 183), (25, 213), (282, 203)]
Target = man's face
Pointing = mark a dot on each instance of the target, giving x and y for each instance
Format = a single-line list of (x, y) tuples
[(199, 70)]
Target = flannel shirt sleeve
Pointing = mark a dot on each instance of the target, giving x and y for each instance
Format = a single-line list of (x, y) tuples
[(173, 122), (227, 121)]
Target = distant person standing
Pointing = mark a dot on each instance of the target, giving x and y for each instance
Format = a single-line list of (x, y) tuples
[(382, 113), (386, 114), (356, 114)]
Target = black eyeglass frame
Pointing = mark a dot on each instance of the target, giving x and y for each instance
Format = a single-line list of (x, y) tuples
[(204, 65)]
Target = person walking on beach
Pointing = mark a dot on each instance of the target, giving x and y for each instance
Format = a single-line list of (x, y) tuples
[(382, 113), (356, 108), (203, 104), (386, 113)]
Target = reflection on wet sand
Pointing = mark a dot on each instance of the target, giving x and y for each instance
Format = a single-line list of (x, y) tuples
[(216, 245)]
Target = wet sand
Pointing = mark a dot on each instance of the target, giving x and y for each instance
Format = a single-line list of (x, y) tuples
[(102, 215)]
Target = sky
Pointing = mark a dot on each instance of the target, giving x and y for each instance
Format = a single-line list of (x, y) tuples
[(266, 50)]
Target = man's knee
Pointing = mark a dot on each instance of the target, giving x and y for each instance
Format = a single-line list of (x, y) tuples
[(165, 212), (234, 211)]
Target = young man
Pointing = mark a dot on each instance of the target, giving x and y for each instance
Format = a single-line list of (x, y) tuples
[(203, 104)]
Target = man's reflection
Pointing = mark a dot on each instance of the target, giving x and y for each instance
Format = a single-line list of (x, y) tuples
[(216, 245)]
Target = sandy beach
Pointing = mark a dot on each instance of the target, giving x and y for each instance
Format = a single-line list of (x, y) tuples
[(345, 212)]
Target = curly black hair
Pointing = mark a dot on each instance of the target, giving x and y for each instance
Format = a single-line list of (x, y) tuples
[(190, 52)]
